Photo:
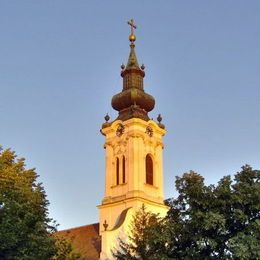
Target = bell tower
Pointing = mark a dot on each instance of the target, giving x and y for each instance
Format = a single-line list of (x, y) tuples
[(134, 156)]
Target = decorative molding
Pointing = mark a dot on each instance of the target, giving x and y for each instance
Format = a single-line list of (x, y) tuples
[(160, 143), (120, 130), (136, 135), (149, 131)]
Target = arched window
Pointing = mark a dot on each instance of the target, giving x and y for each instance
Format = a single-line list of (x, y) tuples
[(117, 171), (123, 169), (149, 169)]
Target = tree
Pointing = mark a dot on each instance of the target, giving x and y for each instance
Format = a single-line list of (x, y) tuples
[(204, 222), (214, 222), (25, 228), (138, 247), (65, 250), (26, 231)]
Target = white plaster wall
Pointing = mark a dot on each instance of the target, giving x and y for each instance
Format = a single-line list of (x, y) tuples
[(134, 144)]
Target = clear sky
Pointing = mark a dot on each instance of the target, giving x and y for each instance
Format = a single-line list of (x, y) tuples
[(60, 66)]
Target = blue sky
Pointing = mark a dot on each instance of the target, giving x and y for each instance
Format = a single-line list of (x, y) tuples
[(60, 66)]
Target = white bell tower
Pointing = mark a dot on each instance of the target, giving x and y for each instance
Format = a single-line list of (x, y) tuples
[(134, 157)]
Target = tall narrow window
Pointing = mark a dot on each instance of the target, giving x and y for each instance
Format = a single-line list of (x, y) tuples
[(123, 169), (149, 169), (117, 171)]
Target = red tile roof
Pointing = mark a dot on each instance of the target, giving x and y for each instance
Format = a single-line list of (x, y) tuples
[(85, 240)]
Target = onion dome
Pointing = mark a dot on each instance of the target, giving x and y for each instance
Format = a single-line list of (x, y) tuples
[(133, 101)]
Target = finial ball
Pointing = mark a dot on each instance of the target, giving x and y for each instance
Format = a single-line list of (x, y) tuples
[(107, 117), (159, 118), (132, 38)]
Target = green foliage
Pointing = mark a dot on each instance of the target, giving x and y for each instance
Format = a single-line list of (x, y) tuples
[(138, 244), (203, 222), (215, 222), (24, 224), (65, 250), (26, 231)]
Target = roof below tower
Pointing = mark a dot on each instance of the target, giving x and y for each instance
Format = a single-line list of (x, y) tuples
[(85, 240)]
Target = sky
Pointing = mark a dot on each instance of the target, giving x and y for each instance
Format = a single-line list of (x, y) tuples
[(60, 66)]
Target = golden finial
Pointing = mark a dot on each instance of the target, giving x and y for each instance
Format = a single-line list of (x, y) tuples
[(132, 37)]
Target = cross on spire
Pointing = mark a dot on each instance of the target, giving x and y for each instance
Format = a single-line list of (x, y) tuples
[(133, 25)]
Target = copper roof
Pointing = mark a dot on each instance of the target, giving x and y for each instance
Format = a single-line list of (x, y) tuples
[(85, 240), (133, 101)]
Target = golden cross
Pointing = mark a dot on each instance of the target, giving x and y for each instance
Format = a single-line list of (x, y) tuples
[(133, 26)]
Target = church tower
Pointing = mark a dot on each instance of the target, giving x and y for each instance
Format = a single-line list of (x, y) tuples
[(134, 156)]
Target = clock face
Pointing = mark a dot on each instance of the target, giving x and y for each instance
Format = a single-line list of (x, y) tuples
[(149, 131), (120, 130)]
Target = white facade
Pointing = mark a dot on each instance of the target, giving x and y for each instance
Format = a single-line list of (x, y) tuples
[(127, 184)]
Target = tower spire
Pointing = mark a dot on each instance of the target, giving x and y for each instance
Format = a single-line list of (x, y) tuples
[(133, 101), (132, 60)]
